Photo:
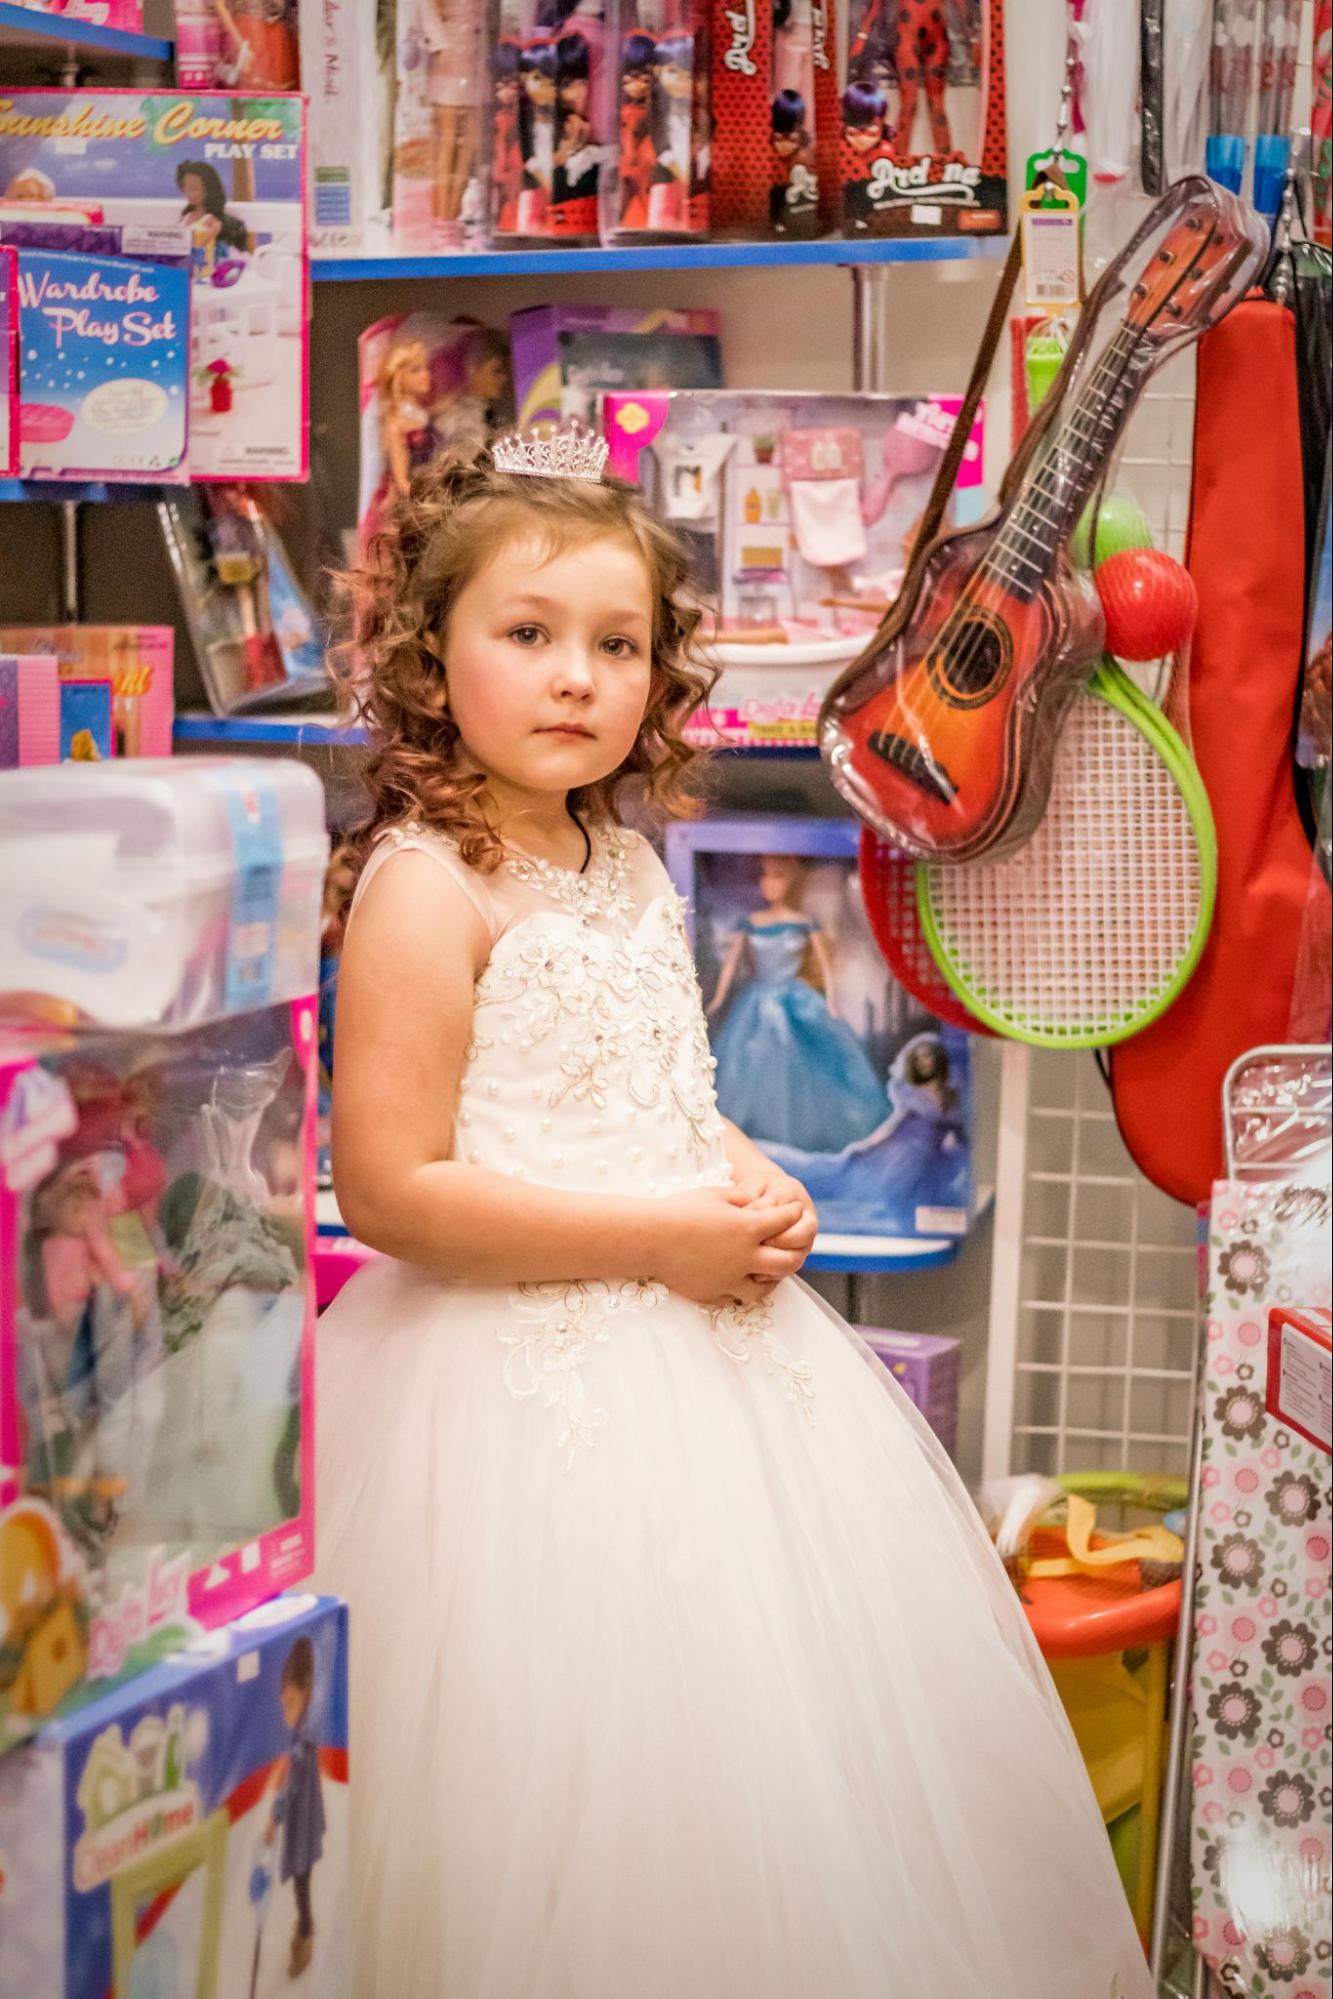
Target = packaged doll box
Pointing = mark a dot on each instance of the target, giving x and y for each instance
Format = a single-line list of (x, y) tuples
[(822, 1059), (230, 168), (164, 1842), (161, 894), (9, 363), (133, 662), (798, 511), (922, 150), (156, 1359)]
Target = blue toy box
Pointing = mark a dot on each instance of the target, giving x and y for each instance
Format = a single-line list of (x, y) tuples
[(186, 1836), (822, 1058)]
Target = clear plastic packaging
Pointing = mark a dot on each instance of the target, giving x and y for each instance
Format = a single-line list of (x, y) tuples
[(161, 893), (551, 142), (255, 636), (661, 186), (943, 734), (156, 1360)]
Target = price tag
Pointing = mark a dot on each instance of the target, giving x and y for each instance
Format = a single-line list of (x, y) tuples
[(1049, 219)]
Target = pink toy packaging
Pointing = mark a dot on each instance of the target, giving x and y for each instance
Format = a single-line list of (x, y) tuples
[(156, 1208), (923, 119), (231, 171), (156, 1366), (9, 362), (249, 45), (135, 659), (29, 709), (126, 15), (187, 1836), (799, 511)]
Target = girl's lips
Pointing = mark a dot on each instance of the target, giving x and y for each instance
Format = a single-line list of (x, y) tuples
[(568, 729)]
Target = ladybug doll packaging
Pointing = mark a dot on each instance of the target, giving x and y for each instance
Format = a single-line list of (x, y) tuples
[(922, 140)]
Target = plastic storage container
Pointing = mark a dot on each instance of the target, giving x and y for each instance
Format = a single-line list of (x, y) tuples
[(161, 893)]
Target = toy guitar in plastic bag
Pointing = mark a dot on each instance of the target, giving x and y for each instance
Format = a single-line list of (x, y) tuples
[(942, 734)]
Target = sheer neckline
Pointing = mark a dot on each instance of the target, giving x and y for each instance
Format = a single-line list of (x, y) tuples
[(597, 889)]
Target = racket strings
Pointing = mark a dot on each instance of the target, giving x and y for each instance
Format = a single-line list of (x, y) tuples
[(1085, 929)]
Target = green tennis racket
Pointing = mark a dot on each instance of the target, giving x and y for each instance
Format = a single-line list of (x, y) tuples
[(1093, 928)]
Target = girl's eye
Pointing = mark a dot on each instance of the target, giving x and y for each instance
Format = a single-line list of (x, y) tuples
[(620, 648), (526, 635)]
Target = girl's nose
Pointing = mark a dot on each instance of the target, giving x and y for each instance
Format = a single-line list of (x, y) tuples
[(573, 675)]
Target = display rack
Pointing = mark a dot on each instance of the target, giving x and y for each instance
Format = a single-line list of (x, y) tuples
[(781, 253), (80, 42), (876, 1256), (324, 732)]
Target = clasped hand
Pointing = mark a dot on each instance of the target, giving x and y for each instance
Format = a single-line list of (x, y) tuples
[(731, 1245)]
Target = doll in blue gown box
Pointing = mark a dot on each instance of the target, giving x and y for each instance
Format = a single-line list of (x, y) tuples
[(822, 1058)]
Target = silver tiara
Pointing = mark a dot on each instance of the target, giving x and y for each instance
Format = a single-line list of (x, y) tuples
[(569, 453)]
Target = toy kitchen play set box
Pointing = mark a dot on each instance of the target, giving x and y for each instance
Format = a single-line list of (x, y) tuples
[(799, 511), (186, 1837), (219, 181), (160, 922)]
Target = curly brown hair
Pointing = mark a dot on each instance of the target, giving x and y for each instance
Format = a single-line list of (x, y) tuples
[(429, 543)]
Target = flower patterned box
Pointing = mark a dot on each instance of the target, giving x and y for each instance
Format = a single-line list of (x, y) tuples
[(1262, 1765)]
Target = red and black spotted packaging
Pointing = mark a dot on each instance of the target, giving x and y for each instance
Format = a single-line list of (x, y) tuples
[(922, 127), (775, 117)]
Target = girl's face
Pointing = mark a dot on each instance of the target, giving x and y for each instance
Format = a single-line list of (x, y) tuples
[(636, 86), (28, 187), (193, 190), (415, 381), (676, 82), (862, 137), (540, 89), (574, 93), (548, 661), (506, 92)]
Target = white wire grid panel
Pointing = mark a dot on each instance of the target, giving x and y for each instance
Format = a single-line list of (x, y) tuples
[(1094, 1304)]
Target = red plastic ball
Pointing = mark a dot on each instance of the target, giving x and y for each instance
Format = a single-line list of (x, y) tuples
[(1149, 602)]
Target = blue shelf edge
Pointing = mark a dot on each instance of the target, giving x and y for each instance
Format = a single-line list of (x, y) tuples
[(314, 730), (661, 257), (55, 492), (318, 732), (24, 23)]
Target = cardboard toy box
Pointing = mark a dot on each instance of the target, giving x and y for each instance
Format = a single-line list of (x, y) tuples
[(233, 169), (923, 119), (163, 1841), (798, 510), (928, 1369), (822, 1059), (566, 355), (135, 659)]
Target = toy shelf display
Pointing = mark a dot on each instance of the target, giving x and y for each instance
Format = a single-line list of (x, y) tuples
[(156, 1127)]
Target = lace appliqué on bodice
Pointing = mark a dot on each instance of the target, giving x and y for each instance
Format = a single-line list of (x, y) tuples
[(573, 1019)]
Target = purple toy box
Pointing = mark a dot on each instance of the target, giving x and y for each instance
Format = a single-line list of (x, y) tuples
[(927, 1367), (565, 355)]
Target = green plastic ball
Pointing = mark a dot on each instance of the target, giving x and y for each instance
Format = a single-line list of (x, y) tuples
[(1120, 525)]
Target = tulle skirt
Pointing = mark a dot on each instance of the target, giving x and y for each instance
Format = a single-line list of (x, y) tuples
[(682, 1668)]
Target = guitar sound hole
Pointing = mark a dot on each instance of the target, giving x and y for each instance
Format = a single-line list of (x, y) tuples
[(911, 762), (976, 658)]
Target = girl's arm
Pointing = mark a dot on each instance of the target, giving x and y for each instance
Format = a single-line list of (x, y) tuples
[(404, 1020), (729, 965), (824, 962)]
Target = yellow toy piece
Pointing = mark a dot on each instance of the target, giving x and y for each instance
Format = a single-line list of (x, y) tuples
[(43, 1632), (1142, 1544)]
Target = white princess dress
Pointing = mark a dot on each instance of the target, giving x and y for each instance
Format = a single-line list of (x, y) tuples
[(682, 1667)]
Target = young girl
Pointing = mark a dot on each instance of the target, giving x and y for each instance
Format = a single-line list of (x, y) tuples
[(682, 1665)]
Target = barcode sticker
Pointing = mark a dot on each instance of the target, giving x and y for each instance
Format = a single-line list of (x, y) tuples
[(1050, 257)]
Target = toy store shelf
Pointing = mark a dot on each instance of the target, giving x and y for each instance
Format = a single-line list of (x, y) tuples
[(314, 731), (659, 257), (57, 35), (55, 492), (322, 731), (870, 1255)]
